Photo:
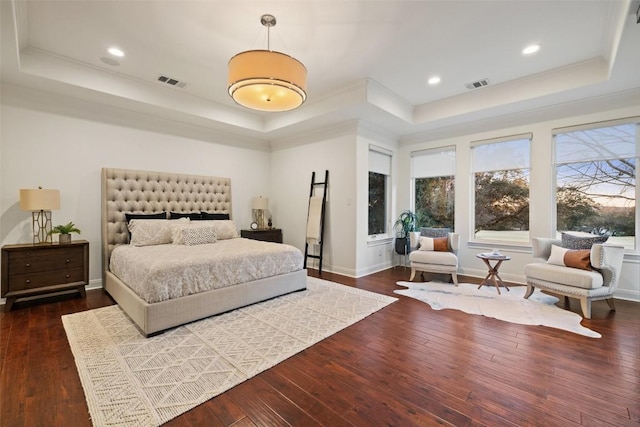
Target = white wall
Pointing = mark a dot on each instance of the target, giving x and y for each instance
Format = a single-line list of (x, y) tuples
[(372, 256), (292, 163), (53, 142), (541, 197)]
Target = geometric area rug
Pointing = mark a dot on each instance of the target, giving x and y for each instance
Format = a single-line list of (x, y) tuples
[(509, 306), (130, 380)]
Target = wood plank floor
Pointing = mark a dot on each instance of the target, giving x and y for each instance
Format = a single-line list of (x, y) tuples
[(406, 365)]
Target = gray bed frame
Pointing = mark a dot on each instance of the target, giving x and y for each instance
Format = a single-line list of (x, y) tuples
[(125, 190)]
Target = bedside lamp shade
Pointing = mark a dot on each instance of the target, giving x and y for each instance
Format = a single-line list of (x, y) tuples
[(259, 205), (40, 202)]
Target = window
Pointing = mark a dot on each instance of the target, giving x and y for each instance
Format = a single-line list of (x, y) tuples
[(501, 197), (433, 178), (379, 194), (596, 180)]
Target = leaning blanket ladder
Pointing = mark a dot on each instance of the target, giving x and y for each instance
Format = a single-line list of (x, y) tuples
[(315, 219)]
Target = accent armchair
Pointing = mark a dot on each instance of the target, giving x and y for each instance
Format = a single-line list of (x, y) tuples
[(434, 261), (585, 285)]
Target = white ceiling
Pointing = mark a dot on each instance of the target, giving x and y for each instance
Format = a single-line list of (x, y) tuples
[(366, 60)]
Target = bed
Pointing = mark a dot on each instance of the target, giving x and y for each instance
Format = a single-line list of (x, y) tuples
[(143, 192)]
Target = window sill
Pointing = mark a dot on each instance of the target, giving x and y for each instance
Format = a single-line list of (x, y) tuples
[(379, 241)]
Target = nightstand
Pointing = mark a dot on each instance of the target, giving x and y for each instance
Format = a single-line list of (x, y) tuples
[(269, 235), (29, 269)]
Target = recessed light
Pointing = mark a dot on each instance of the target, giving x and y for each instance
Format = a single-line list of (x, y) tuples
[(433, 80), (531, 49), (116, 52)]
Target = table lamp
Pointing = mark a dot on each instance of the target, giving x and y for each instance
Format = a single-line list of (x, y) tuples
[(40, 202), (259, 205)]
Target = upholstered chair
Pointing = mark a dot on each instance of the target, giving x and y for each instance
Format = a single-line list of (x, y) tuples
[(586, 285), (443, 261)]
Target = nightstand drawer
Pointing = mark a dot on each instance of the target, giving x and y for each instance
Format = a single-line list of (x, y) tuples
[(38, 280), (54, 259)]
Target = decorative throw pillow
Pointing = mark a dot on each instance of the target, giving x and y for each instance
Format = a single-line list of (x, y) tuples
[(434, 232), (193, 216), (581, 240), (156, 232), (225, 229), (576, 258), (159, 215), (440, 244), (198, 235)]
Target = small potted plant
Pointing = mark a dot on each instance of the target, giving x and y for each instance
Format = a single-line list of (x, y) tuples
[(405, 224), (65, 232)]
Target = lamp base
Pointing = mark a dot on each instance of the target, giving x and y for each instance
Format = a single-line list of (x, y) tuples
[(41, 226)]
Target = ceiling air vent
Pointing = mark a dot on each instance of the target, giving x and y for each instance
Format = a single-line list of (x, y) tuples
[(477, 84), (172, 82)]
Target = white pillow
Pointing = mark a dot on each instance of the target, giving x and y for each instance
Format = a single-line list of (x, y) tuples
[(178, 233), (147, 232), (433, 244), (557, 255), (198, 235)]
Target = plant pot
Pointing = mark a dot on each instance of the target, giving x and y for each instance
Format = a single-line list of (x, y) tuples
[(64, 239), (401, 246)]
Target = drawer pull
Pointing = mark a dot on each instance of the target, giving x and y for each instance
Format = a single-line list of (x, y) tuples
[(67, 260), (28, 265), (27, 281), (68, 276)]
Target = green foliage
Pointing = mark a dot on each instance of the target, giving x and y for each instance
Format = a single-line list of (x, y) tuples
[(575, 209), (406, 223), (435, 201), (65, 229), (502, 201), (377, 203)]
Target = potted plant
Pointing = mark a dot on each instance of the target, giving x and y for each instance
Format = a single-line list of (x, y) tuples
[(65, 232), (405, 224)]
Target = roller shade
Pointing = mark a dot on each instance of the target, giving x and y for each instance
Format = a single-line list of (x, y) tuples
[(379, 161), (433, 163), (503, 155), (604, 143)]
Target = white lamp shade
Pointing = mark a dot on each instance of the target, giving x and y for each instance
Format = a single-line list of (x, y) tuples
[(39, 199), (265, 80), (260, 203)]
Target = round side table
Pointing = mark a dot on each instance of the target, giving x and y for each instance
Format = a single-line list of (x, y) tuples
[(493, 276)]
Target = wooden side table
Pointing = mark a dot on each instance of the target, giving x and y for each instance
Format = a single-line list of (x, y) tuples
[(268, 235), (493, 276), (29, 269)]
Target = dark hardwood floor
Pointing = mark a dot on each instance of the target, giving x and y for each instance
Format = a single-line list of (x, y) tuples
[(406, 365)]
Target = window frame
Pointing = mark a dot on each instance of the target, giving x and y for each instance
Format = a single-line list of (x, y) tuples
[(472, 186), (591, 126), (378, 151)]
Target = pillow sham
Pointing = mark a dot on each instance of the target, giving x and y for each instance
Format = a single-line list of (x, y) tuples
[(148, 233), (160, 215), (439, 244), (575, 258), (198, 235), (214, 216), (194, 216), (581, 240)]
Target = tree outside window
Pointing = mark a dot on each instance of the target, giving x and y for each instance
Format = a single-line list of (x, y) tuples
[(501, 180), (596, 181), (433, 173), (377, 203)]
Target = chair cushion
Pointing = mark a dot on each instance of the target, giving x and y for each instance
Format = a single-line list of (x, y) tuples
[(581, 240), (564, 275), (434, 232), (432, 257)]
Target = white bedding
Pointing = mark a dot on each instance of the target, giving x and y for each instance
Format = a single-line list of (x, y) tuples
[(162, 272)]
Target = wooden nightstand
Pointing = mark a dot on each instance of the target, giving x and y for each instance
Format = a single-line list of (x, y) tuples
[(271, 235), (29, 269)]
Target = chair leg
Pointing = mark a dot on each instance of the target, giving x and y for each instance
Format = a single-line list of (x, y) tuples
[(612, 306), (530, 290), (585, 304), (454, 276), (413, 274)]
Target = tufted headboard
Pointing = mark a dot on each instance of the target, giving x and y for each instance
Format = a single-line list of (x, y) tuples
[(125, 190)]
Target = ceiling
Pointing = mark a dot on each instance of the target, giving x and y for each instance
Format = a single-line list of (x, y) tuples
[(366, 60)]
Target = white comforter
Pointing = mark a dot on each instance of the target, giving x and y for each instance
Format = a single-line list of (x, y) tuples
[(162, 272)]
